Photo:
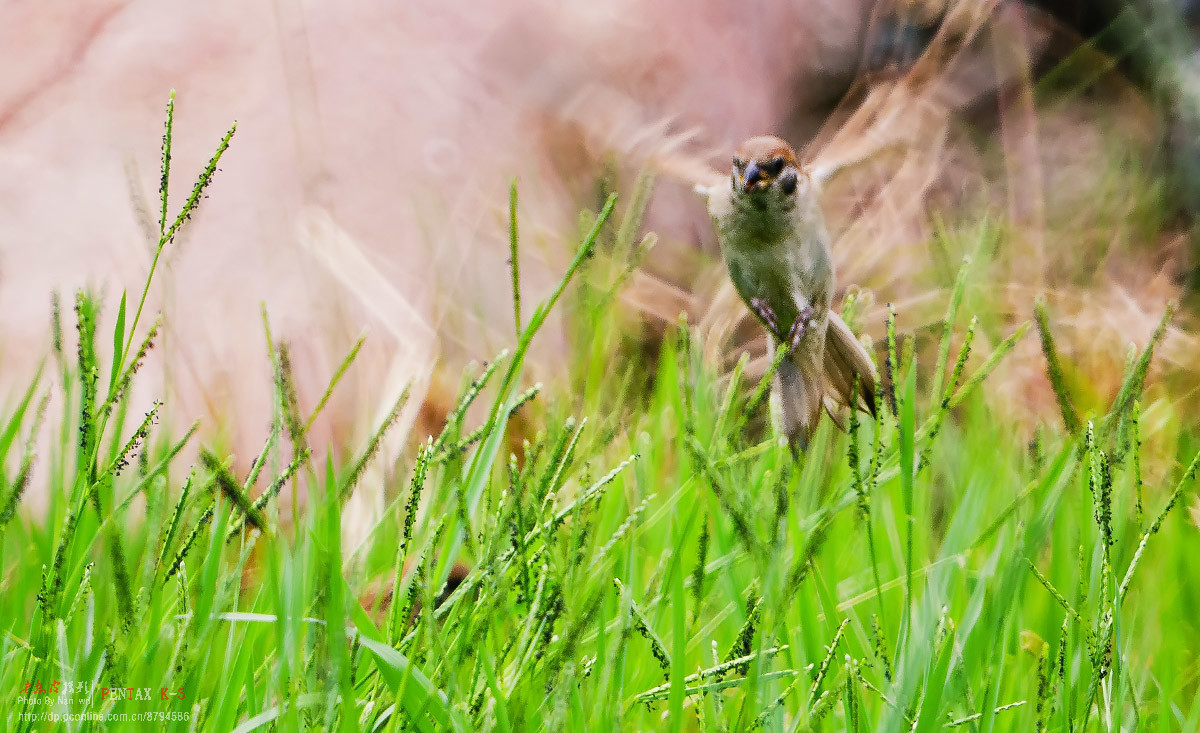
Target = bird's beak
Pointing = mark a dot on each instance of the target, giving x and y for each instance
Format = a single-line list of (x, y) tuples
[(752, 177)]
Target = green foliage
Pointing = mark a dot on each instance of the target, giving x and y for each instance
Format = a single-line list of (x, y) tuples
[(643, 561)]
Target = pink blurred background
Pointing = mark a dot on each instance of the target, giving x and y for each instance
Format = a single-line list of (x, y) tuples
[(367, 184), (396, 125)]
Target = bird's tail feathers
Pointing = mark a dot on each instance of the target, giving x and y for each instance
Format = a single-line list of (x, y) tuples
[(801, 388), (808, 383)]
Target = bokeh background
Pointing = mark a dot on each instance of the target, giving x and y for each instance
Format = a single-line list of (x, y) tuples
[(367, 184)]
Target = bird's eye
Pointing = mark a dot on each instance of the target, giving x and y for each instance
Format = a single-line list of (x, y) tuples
[(773, 166), (739, 164), (787, 182)]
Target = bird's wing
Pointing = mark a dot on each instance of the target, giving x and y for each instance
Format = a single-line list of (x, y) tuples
[(846, 358)]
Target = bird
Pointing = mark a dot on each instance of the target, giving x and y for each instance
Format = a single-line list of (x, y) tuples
[(776, 247)]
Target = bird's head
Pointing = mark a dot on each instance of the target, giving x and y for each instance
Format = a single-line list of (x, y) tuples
[(766, 164)]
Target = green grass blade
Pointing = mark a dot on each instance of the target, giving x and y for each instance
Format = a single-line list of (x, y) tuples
[(118, 345)]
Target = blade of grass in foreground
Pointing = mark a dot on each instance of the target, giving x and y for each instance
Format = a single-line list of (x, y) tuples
[(907, 455), (484, 458), (943, 357), (678, 644), (427, 706)]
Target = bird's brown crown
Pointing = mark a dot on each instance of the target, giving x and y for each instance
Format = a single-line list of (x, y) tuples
[(764, 148)]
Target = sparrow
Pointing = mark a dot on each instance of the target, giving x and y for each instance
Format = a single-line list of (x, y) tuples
[(776, 247)]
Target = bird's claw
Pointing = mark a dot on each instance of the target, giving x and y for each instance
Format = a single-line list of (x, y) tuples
[(766, 314), (800, 327)]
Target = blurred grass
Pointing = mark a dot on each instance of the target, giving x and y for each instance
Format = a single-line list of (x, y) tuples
[(646, 560)]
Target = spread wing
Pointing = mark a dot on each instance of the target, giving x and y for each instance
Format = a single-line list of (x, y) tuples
[(846, 358)]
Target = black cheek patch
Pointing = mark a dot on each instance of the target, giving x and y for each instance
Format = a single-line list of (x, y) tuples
[(787, 182)]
